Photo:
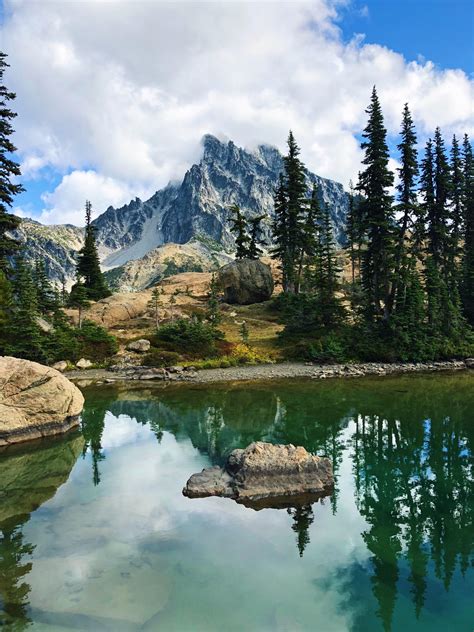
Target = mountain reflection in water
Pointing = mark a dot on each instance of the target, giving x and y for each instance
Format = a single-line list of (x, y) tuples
[(406, 442)]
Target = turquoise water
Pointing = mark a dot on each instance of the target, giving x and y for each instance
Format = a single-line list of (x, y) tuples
[(96, 535)]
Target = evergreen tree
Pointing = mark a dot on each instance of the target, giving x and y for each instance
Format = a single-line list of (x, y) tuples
[(6, 305), (351, 231), (281, 250), (239, 228), (46, 297), (254, 252), (457, 187), (244, 332), (377, 213), (213, 314), (467, 281), (438, 221), (79, 299), (407, 196), (26, 335), (155, 305), (296, 200), (9, 170), (88, 265)]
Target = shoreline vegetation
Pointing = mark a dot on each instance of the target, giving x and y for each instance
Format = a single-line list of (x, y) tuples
[(262, 372)]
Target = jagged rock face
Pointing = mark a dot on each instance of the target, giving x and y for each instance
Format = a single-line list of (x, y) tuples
[(195, 209), (264, 471), (245, 282), (56, 245)]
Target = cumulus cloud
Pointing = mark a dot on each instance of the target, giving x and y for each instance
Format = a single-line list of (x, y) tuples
[(65, 205), (125, 90)]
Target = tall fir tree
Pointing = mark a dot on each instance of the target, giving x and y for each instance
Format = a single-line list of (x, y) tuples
[(467, 269), (254, 250), (239, 228), (9, 171), (457, 187), (297, 204), (26, 335), (281, 250), (46, 296), (407, 201), (88, 265), (377, 213)]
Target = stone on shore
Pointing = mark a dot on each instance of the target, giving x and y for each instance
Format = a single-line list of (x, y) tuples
[(140, 346), (246, 281), (83, 364), (264, 471), (60, 366), (35, 401)]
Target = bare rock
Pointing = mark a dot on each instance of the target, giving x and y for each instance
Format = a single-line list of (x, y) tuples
[(264, 471), (246, 281), (35, 401), (83, 364), (469, 362), (60, 366), (140, 346)]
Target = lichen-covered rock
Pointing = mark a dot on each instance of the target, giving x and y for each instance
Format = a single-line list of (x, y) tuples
[(246, 281), (35, 401), (140, 346), (263, 471)]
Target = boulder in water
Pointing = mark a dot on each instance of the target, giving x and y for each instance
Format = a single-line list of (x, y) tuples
[(264, 472), (35, 401)]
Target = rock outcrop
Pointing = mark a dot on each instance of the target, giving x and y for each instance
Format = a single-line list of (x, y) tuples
[(264, 472), (140, 346), (246, 281), (35, 401)]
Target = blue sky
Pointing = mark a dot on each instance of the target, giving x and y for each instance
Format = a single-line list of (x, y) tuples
[(109, 122), (439, 30)]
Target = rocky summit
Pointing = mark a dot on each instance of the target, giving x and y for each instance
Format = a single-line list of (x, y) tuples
[(194, 211), (264, 472)]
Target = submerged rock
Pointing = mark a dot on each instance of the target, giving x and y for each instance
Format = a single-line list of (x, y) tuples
[(264, 473), (35, 401)]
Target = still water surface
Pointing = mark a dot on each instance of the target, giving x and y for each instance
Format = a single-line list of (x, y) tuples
[(95, 534)]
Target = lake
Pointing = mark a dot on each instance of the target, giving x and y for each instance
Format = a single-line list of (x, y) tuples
[(96, 535)]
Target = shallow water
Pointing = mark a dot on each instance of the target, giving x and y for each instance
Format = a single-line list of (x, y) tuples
[(96, 535)]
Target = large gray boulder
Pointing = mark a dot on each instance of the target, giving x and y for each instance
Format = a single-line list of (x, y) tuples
[(264, 471), (35, 401), (246, 281)]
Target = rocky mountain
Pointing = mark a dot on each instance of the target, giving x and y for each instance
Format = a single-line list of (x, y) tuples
[(194, 210)]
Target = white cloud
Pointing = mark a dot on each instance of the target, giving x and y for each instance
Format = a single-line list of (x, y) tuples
[(127, 89), (66, 203)]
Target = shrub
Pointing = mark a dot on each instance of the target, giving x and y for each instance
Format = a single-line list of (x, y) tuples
[(95, 343), (193, 337), (161, 358)]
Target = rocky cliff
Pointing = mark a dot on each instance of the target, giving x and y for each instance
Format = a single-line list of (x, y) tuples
[(196, 209)]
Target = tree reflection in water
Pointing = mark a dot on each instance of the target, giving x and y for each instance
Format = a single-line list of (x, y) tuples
[(30, 475), (408, 441)]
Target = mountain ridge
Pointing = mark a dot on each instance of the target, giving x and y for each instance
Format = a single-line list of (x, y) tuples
[(193, 209)]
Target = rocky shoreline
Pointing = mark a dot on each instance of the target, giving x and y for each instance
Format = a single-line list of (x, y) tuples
[(284, 370)]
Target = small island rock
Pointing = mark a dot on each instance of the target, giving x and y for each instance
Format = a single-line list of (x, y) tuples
[(246, 281), (264, 471), (35, 401)]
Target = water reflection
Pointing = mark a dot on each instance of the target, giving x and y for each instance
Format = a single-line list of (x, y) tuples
[(402, 446), (30, 474), (410, 446)]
